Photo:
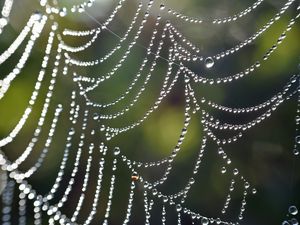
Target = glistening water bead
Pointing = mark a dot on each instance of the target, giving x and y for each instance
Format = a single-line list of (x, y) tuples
[(293, 210), (209, 62), (204, 221), (117, 151), (135, 176), (294, 221), (297, 139)]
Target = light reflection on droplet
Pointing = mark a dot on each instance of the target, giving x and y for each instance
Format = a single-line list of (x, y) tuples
[(293, 210), (209, 62)]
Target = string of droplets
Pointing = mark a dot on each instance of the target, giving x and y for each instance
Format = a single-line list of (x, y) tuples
[(209, 60), (5, 12), (243, 203), (63, 11), (215, 20), (39, 22), (213, 80), (136, 78)]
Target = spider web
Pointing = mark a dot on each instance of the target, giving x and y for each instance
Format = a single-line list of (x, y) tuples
[(96, 177)]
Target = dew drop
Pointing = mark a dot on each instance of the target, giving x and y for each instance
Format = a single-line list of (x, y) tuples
[(3, 22), (285, 223), (81, 9), (154, 192), (95, 116), (297, 139), (294, 221), (89, 3), (254, 191), (3, 180), (293, 210), (204, 221), (223, 170), (178, 208), (37, 16), (63, 12), (117, 151), (235, 171), (135, 176), (296, 152), (162, 7), (165, 199), (247, 185), (209, 62)]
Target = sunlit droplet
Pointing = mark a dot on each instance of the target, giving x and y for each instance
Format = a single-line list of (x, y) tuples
[(135, 176), (117, 151), (3, 22), (294, 221), (293, 210), (204, 221), (178, 208), (37, 16), (209, 62), (235, 171), (223, 170), (95, 116), (297, 139), (63, 12)]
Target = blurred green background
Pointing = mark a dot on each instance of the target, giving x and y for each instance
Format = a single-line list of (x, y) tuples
[(264, 155)]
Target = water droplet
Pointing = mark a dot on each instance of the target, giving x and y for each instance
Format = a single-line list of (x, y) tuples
[(285, 223), (204, 221), (162, 7), (3, 22), (223, 170), (81, 9), (89, 3), (154, 192), (235, 171), (117, 151), (165, 199), (297, 139), (209, 62), (294, 221), (95, 116), (296, 152), (135, 176), (254, 191), (3, 180), (37, 16), (178, 208), (63, 12), (293, 210), (247, 185)]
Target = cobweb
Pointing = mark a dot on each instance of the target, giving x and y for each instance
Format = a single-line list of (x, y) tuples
[(79, 92)]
